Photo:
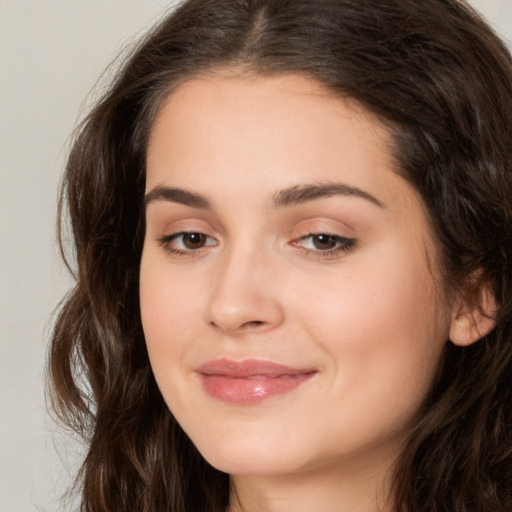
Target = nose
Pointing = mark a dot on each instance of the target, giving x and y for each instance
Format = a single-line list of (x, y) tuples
[(244, 296)]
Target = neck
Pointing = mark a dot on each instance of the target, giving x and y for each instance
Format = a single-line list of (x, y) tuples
[(364, 489)]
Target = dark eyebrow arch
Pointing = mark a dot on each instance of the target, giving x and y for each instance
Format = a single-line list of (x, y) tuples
[(292, 196), (176, 195), (303, 193)]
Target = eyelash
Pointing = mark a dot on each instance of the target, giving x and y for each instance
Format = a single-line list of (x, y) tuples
[(342, 245), (165, 242)]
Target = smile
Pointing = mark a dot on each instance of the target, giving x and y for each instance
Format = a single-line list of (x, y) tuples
[(250, 381)]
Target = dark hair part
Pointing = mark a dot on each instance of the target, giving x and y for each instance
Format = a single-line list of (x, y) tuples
[(442, 81)]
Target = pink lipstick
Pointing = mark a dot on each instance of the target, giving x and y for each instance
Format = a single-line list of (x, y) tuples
[(249, 381)]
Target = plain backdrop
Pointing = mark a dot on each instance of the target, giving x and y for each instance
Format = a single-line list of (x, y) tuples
[(51, 54)]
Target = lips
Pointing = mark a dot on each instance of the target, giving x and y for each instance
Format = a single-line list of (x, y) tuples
[(250, 381)]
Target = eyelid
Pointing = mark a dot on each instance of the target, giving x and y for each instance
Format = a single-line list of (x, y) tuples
[(344, 245), (308, 228), (166, 241)]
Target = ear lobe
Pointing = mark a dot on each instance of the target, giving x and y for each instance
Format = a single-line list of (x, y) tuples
[(471, 321)]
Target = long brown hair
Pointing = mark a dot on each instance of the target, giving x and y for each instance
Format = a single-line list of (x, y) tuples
[(437, 75)]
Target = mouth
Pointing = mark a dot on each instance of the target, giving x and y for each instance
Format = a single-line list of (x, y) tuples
[(250, 381)]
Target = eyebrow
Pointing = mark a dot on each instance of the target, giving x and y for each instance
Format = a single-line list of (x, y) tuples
[(176, 195), (292, 196), (302, 193)]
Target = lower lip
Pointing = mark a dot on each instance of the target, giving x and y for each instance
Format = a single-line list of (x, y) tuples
[(249, 390)]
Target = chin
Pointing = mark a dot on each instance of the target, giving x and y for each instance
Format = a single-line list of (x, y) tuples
[(250, 455), (253, 463)]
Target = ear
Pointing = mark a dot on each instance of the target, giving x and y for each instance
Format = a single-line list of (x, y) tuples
[(473, 319)]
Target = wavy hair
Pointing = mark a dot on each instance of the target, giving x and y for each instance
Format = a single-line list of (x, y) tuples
[(441, 80)]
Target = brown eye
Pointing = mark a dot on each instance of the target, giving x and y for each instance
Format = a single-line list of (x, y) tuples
[(186, 243), (324, 242), (323, 245), (194, 240)]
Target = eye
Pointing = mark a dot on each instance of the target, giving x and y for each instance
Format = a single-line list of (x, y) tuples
[(186, 242), (324, 244)]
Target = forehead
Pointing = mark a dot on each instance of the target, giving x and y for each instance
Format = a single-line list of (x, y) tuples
[(276, 97), (254, 124)]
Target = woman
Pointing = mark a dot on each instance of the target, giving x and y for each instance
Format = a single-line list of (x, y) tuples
[(292, 229)]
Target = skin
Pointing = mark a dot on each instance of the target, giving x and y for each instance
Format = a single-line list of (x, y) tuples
[(369, 319)]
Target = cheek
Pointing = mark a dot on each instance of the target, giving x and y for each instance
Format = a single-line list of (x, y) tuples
[(382, 330), (169, 308), (170, 312), (392, 297)]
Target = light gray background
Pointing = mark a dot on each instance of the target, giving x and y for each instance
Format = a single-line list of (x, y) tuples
[(51, 53)]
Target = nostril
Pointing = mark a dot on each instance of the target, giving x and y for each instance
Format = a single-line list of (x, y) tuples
[(253, 323), (241, 310)]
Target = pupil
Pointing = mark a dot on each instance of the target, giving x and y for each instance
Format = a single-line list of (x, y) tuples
[(193, 240), (324, 241)]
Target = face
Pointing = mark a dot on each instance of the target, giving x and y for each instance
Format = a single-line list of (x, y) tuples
[(289, 307)]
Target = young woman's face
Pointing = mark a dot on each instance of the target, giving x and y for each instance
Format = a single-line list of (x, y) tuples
[(288, 303)]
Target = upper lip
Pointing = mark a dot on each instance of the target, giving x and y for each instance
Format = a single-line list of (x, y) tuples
[(249, 368)]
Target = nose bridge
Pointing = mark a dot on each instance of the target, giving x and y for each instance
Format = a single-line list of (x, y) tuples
[(243, 296)]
